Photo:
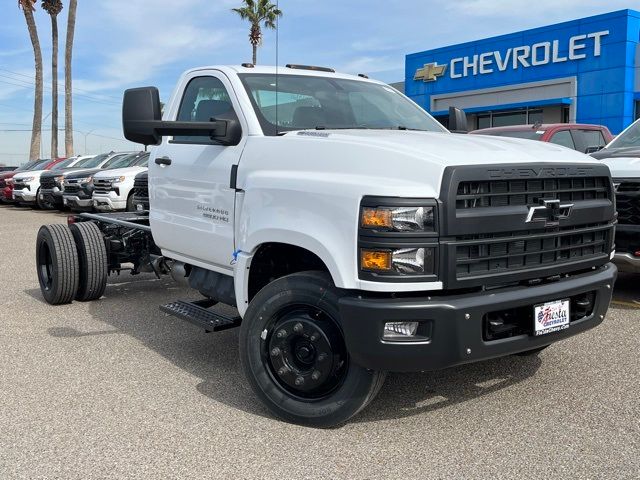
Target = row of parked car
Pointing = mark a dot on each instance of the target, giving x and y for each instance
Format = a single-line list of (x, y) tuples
[(107, 182)]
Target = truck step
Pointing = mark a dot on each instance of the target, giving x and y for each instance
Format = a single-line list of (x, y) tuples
[(198, 314)]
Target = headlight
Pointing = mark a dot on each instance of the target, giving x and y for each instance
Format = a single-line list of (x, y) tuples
[(9, 181), (119, 179), (26, 179), (398, 219), (412, 261), (85, 179)]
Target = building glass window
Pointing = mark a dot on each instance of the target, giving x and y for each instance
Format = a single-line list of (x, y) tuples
[(509, 118), (535, 116), (484, 121)]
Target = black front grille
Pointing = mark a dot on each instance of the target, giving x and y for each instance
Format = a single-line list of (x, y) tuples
[(102, 187), (71, 188), (3, 183), (493, 254), (47, 183), (504, 193), (20, 186), (628, 202), (141, 187)]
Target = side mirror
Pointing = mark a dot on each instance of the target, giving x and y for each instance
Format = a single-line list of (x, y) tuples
[(593, 149), (457, 120), (142, 121)]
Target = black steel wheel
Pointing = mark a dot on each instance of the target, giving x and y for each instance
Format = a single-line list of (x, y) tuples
[(92, 257), (57, 264), (294, 356)]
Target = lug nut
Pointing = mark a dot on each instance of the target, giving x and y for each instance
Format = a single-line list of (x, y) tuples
[(315, 375), (299, 381), (298, 328), (281, 333), (283, 371), (275, 352), (314, 337), (322, 357)]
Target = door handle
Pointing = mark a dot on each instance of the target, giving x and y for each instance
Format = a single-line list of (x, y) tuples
[(163, 161)]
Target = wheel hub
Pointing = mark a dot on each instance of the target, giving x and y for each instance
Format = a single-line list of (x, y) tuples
[(306, 353)]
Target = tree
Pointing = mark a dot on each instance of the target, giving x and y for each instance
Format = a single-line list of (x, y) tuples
[(258, 13), (28, 7), (68, 87), (53, 8)]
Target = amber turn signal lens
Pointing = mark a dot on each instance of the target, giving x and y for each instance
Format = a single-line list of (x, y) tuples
[(375, 260), (376, 217)]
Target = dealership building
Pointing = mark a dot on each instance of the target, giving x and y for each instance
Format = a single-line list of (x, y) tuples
[(585, 71)]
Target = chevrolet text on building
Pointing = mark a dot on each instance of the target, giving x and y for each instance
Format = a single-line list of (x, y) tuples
[(583, 71), (409, 256), (527, 56)]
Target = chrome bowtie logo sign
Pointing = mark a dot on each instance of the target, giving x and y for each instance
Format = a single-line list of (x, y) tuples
[(430, 72), (550, 212)]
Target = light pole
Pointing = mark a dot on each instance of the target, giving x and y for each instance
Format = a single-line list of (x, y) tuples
[(85, 139)]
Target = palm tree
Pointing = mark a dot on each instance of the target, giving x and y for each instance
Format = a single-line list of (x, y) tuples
[(258, 12), (53, 8), (68, 88), (28, 7)]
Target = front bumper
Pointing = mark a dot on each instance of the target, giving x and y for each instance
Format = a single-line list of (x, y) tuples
[(52, 197), (109, 203), (78, 203), (456, 323), (24, 196), (626, 262)]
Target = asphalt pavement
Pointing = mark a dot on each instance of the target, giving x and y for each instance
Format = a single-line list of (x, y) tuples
[(116, 389)]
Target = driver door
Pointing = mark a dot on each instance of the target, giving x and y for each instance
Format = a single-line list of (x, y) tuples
[(192, 204)]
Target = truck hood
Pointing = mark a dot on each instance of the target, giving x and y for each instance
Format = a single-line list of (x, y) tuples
[(447, 149), (29, 173), (628, 167), (120, 172), (81, 173), (617, 153)]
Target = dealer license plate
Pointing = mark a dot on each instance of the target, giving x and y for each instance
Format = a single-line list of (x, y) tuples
[(551, 317), (65, 201)]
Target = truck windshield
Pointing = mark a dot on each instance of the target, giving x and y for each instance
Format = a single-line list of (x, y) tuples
[(307, 102), (92, 162), (629, 138)]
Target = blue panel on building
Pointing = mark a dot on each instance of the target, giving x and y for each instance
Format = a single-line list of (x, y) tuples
[(588, 67)]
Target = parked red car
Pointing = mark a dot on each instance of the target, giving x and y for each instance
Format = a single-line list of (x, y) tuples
[(576, 136), (6, 185)]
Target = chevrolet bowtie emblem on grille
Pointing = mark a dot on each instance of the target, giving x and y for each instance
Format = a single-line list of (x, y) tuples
[(616, 186), (550, 212), (430, 72)]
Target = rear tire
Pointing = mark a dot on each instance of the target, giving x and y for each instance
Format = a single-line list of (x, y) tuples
[(57, 264), (293, 353), (92, 257)]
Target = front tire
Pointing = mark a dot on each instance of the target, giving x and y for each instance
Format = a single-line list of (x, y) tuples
[(57, 264), (293, 353), (92, 257)]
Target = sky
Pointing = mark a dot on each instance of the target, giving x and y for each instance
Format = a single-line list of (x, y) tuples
[(127, 43)]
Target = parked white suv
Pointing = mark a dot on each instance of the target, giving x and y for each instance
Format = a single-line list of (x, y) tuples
[(113, 189)]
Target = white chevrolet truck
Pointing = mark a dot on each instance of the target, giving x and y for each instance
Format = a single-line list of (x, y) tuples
[(352, 232)]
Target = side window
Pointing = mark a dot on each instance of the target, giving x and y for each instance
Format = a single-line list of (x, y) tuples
[(563, 137), (588, 138), (204, 99)]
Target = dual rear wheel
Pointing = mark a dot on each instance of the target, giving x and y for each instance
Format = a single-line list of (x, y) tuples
[(71, 262)]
